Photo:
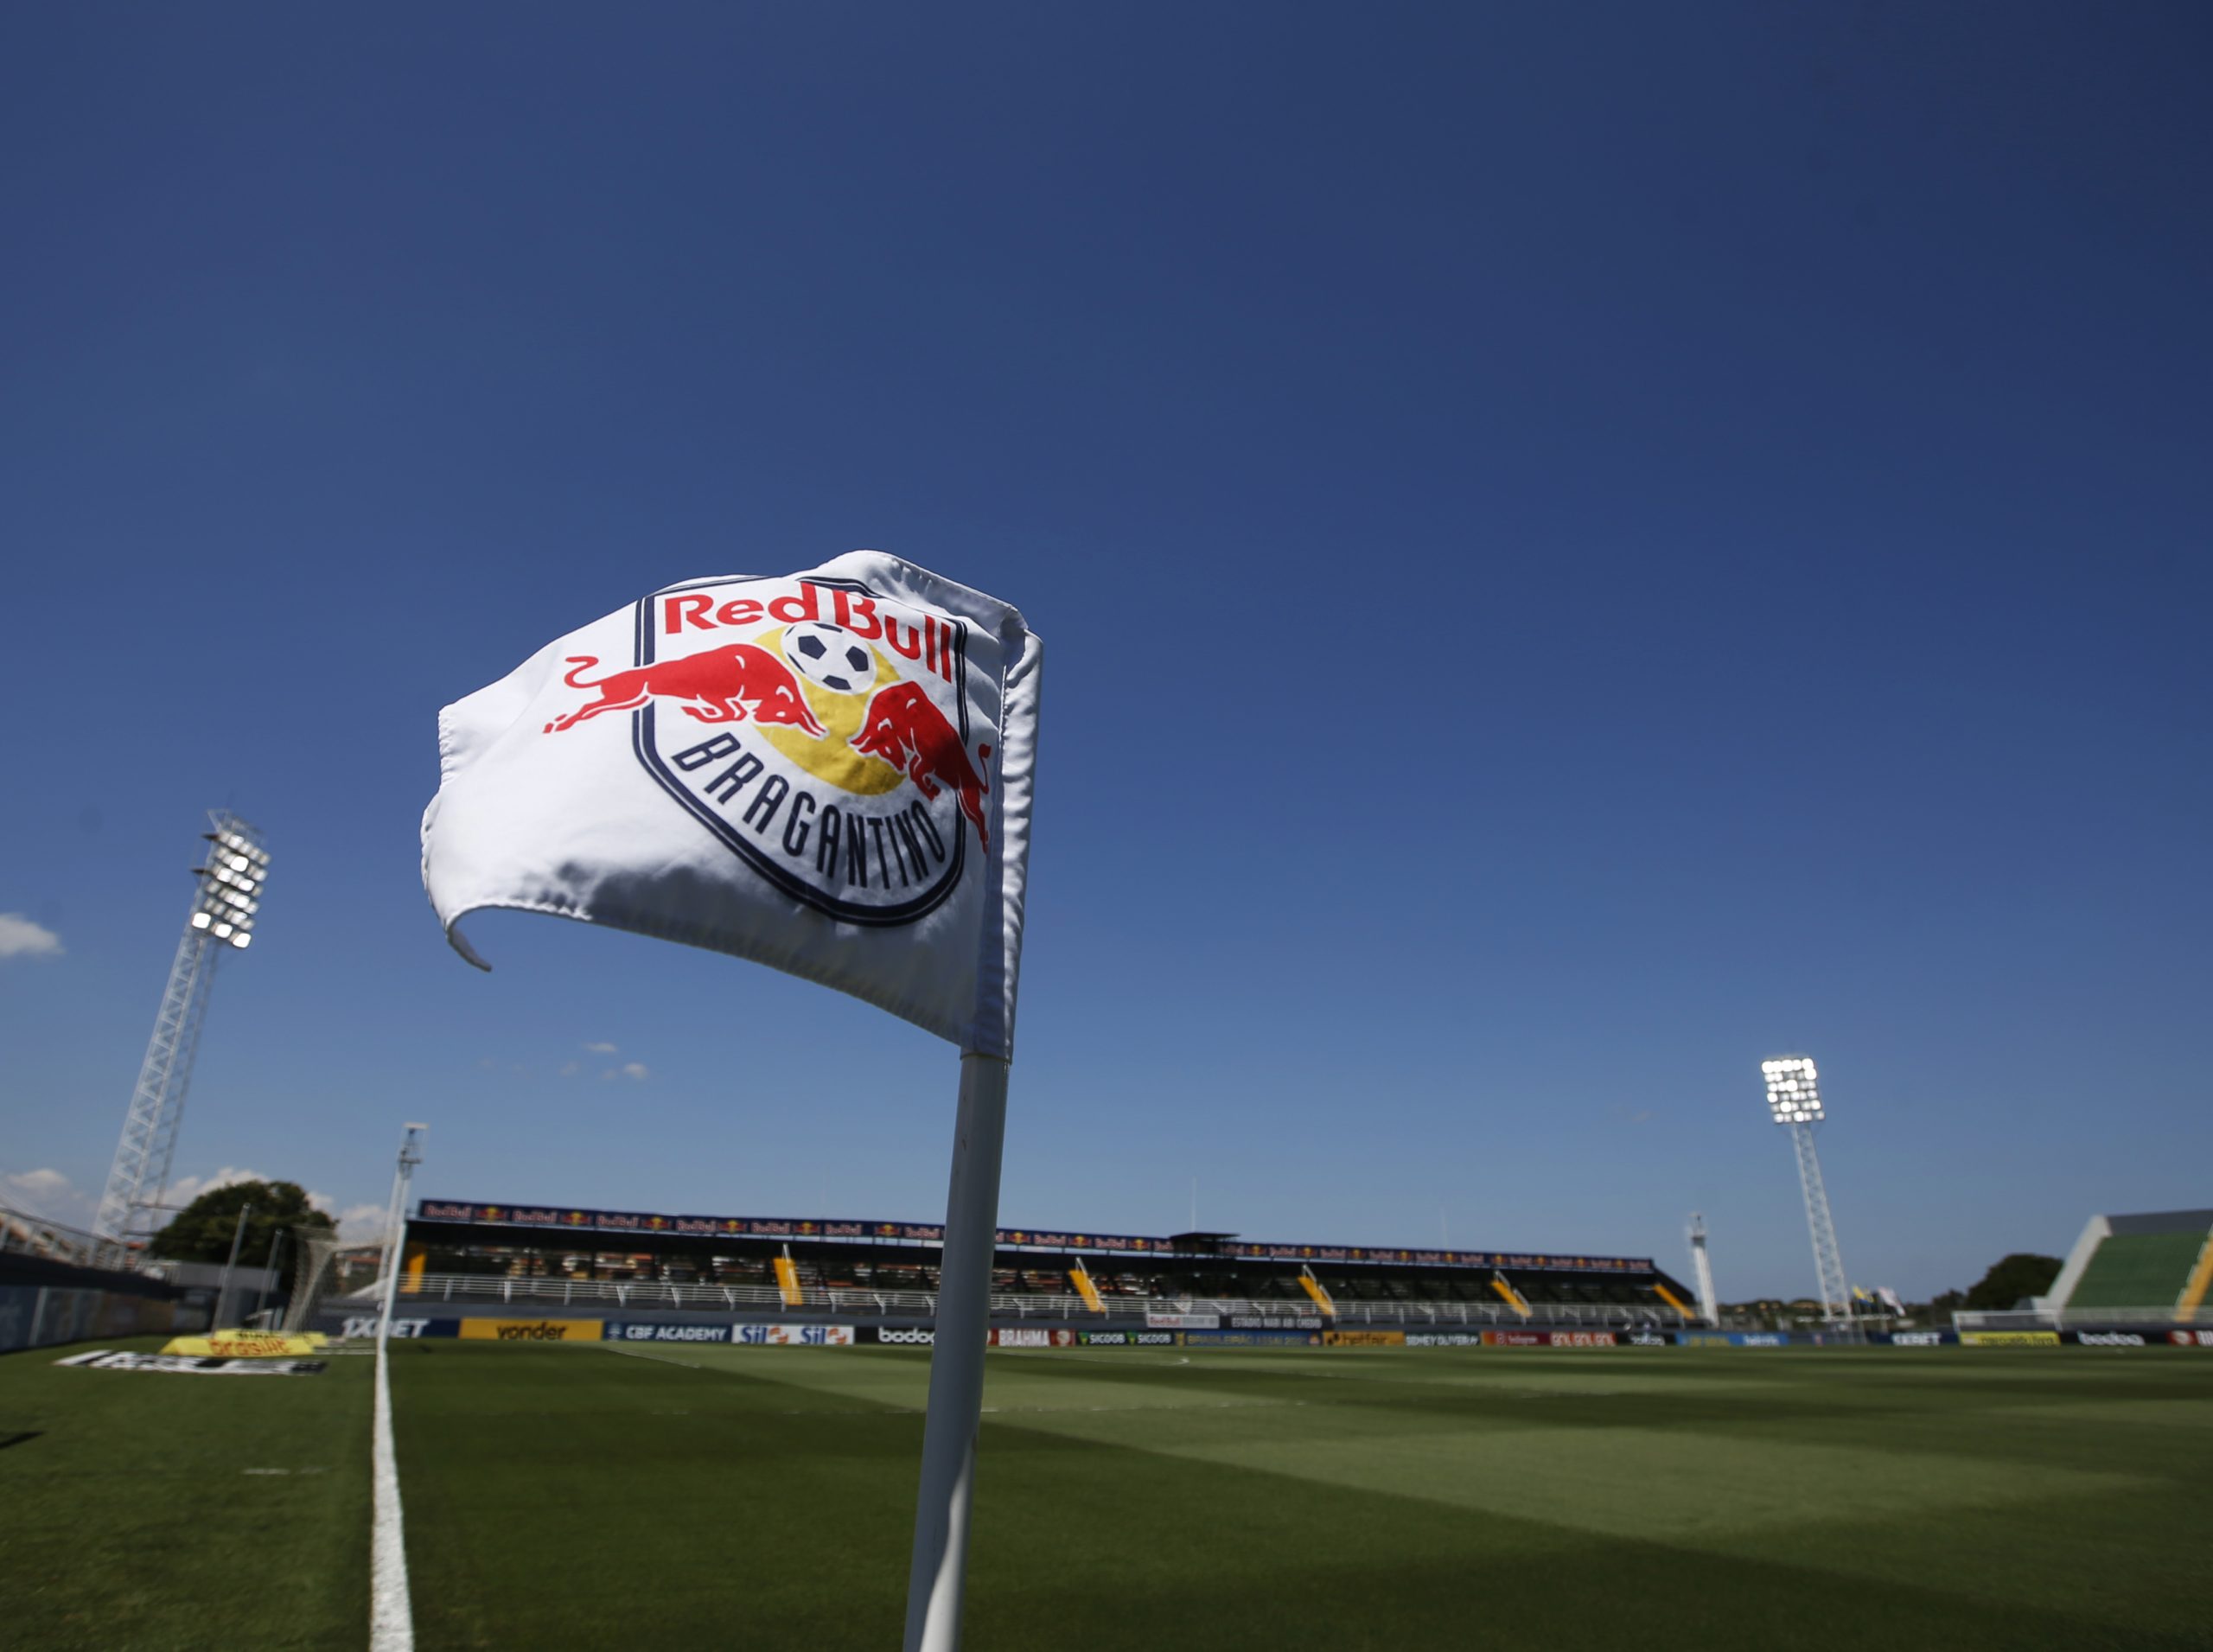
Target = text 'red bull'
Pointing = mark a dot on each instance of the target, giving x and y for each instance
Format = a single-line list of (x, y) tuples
[(928, 640)]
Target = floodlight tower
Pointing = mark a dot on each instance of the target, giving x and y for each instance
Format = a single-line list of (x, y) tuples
[(1702, 1270), (221, 920), (1794, 1098), (395, 1225)]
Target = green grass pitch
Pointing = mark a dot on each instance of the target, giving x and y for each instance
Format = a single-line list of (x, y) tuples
[(580, 1496)]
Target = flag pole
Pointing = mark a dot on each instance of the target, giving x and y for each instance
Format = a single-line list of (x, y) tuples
[(938, 1573)]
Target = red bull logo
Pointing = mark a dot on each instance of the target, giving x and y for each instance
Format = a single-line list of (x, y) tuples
[(719, 685), (846, 752), (902, 727)]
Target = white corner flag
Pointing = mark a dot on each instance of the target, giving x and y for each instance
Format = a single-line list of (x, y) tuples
[(828, 772)]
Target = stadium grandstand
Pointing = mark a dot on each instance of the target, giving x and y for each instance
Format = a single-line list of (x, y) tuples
[(2150, 1271), (471, 1257)]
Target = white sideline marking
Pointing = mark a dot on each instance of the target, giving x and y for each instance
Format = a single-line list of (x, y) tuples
[(391, 1619)]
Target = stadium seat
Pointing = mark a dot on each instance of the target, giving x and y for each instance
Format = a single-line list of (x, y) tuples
[(2138, 1271)]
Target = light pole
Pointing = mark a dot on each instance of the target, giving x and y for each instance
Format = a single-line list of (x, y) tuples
[(1793, 1099), (1702, 1270), (411, 1155), (222, 918)]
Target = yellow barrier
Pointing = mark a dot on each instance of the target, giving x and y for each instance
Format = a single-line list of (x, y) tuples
[(1087, 1289), (2200, 1278), (531, 1330), (788, 1282), (1674, 1301), (247, 1345), (414, 1279), (1513, 1297), (1322, 1299)]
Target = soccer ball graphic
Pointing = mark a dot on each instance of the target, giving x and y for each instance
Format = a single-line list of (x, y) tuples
[(831, 657)]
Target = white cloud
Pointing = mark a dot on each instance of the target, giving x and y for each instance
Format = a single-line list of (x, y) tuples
[(361, 1224), (635, 1070), (186, 1189), (570, 1069), (600, 1049), (21, 937), (48, 1193)]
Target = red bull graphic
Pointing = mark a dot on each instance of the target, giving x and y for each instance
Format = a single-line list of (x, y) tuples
[(902, 727), (720, 686), (846, 752)]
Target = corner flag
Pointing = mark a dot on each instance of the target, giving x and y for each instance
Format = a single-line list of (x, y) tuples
[(828, 773)]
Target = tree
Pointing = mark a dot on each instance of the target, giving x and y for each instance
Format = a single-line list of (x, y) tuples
[(2012, 1278), (202, 1231)]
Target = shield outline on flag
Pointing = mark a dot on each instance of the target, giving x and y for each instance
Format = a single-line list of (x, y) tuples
[(643, 743)]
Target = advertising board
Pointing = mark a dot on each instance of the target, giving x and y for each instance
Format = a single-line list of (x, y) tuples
[(1276, 1322), (2010, 1338), (1126, 1338), (1732, 1339), (1182, 1322), (647, 1332), (361, 1325), (2191, 1338), (1917, 1338), (192, 1365), (793, 1335), (529, 1330), (247, 1345), (1251, 1338), (1444, 1339), (899, 1336), (1364, 1339), (1032, 1336)]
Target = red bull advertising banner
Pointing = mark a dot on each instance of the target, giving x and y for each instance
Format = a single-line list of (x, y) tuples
[(853, 1231), (1375, 1256), (828, 772)]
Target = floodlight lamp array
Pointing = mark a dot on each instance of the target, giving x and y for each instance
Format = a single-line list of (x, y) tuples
[(230, 888), (1794, 1092)]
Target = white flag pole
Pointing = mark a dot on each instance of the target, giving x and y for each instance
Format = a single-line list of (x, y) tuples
[(938, 1573)]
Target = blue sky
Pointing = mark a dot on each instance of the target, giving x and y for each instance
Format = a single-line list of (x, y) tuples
[(1577, 550)]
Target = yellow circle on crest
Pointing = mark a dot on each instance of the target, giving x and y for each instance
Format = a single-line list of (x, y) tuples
[(831, 758)]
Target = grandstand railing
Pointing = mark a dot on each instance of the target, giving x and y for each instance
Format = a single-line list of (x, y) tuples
[(2073, 1318), (815, 1298), (30, 1234)]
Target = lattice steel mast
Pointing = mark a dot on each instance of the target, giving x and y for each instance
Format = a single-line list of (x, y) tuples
[(1794, 1098), (221, 919)]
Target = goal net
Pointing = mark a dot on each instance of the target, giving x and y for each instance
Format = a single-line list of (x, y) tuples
[(316, 1249)]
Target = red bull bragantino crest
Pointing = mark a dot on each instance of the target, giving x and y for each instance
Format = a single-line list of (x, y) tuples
[(827, 771), (819, 728)]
